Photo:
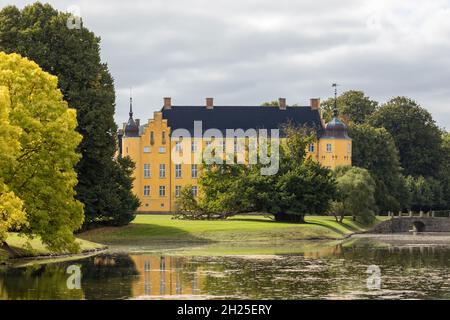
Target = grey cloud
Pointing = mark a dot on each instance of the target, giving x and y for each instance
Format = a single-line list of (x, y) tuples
[(250, 51)]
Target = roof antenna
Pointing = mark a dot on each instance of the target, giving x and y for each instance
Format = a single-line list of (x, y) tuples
[(335, 110)]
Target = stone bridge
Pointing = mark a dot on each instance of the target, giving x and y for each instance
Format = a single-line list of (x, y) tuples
[(418, 224)]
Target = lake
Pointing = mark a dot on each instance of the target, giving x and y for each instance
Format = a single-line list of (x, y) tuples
[(361, 267)]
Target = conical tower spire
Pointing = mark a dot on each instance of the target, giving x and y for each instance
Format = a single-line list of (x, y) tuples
[(132, 127)]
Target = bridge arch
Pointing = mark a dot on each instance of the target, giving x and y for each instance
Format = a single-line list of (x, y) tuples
[(418, 226)]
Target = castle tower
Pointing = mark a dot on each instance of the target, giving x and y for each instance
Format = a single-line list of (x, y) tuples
[(335, 146)]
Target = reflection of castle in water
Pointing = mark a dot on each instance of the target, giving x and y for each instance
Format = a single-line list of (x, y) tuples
[(162, 276), (335, 251)]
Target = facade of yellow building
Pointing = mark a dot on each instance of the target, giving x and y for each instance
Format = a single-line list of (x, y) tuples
[(168, 148)]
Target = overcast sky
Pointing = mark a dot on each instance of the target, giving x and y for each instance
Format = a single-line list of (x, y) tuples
[(249, 51)]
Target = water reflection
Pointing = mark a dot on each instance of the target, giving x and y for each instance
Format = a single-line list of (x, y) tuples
[(166, 276), (337, 271)]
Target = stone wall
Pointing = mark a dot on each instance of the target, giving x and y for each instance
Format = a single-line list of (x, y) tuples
[(406, 224)]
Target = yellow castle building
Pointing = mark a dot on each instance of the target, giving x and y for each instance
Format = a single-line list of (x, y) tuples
[(167, 149)]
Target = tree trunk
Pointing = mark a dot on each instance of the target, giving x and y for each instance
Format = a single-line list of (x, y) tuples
[(283, 217)]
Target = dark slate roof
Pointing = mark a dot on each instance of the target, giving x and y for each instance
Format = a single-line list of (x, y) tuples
[(335, 129), (240, 117)]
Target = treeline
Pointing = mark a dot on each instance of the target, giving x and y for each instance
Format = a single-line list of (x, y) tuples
[(401, 161), (399, 143), (102, 183)]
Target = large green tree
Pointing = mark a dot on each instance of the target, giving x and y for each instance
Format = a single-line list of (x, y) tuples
[(426, 193), (41, 172), (301, 186), (353, 106), (375, 150), (40, 33), (415, 133), (444, 176), (356, 194)]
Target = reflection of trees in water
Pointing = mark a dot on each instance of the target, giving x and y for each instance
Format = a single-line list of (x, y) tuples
[(404, 256), (288, 277), (104, 277), (36, 282), (108, 277), (421, 268), (423, 271)]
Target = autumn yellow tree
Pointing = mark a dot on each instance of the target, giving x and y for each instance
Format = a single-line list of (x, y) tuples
[(11, 207), (40, 154)]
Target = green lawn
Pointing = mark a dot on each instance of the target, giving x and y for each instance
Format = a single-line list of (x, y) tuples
[(237, 235), (18, 244), (163, 231)]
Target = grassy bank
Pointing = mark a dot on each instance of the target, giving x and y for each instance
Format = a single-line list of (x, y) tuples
[(161, 231), (37, 248)]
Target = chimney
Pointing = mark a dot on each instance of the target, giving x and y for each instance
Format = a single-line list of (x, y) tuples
[(167, 103), (210, 103), (315, 103), (282, 103)]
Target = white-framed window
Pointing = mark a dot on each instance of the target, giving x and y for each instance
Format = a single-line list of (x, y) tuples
[(177, 191), (349, 147), (329, 147), (162, 191), (178, 147), (147, 149), (162, 170), (311, 147), (194, 191), (146, 170), (146, 191), (178, 171), (194, 171), (194, 146), (162, 149)]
